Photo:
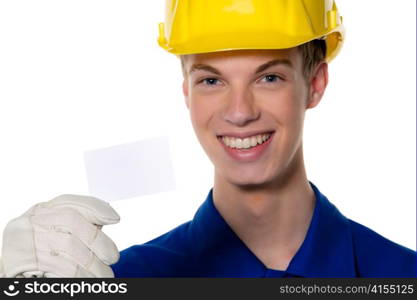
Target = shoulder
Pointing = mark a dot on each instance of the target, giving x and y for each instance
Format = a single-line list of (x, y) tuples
[(164, 256), (377, 256)]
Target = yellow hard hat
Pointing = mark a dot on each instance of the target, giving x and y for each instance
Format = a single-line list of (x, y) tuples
[(198, 26)]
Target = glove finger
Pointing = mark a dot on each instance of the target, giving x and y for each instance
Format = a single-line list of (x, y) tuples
[(50, 263), (72, 223), (2, 273), (18, 248), (81, 273), (96, 211), (61, 265), (105, 249), (58, 244), (50, 275), (99, 269), (70, 269), (33, 274)]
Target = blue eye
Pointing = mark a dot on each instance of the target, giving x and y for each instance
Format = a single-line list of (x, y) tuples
[(210, 81), (271, 78)]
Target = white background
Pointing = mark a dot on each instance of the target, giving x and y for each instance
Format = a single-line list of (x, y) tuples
[(81, 75)]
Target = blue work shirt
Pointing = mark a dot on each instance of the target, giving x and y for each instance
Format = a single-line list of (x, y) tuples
[(206, 246)]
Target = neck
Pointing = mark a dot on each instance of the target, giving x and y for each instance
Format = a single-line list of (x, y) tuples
[(272, 219)]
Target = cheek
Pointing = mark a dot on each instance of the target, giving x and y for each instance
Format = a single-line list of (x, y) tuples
[(201, 112), (285, 106)]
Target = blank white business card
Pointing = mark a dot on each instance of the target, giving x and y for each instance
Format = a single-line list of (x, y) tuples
[(130, 170)]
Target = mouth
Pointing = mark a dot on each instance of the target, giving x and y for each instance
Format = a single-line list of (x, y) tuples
[(247, 142), (246, 147)]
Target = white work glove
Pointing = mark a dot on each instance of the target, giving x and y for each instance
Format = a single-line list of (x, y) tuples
[(2, 275), (60, 238)]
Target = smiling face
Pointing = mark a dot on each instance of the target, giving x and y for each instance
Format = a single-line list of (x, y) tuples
[(247, 108)]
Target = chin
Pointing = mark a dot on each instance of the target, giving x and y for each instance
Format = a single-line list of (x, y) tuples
[(249, 181)]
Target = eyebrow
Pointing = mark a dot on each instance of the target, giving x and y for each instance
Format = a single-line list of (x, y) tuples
[(204, 67), (261, 68), (272, 63)]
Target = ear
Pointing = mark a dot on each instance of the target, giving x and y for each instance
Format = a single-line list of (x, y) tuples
[(185, 91), (318, 83)]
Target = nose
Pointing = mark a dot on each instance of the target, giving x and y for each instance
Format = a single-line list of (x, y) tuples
[(240, 108)]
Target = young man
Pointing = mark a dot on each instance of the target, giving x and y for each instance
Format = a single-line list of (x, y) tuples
[(251, 70)]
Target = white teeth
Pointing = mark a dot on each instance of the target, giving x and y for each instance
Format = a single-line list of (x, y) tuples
[(246, 142), (232, 142), (259, 139)]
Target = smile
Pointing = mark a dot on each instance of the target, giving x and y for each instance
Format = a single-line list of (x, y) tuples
[(245, 143), (246, 148)]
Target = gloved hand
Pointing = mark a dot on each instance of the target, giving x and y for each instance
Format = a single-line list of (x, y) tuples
[(60, 238)]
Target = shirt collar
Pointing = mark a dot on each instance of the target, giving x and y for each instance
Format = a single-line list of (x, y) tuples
[(327, 250)]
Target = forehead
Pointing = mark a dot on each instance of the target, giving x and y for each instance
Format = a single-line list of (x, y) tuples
[(242, 58)]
